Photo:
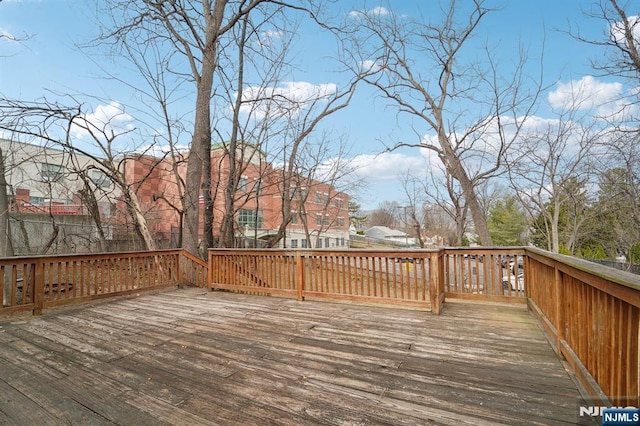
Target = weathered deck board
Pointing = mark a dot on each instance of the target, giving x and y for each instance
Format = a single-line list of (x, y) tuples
[(198, 357)]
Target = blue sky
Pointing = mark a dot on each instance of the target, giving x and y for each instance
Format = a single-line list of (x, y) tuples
[(48, 62)]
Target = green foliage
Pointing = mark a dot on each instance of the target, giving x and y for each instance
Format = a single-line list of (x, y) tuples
[(507, 223), (356, 217), (633, 255), (564, 249), (593, 252), (596, 227)]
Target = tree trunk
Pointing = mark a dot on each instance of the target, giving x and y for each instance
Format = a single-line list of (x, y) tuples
[(89, 199), (555, 223), (208, 201), (454, 166), (201, 141), (227, 230), (139, 220), (6, 246)]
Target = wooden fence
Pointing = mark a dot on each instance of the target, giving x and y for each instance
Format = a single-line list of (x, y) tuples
[(420, 278), (35, 283), (592, 314), (495, 274), (404, 278)]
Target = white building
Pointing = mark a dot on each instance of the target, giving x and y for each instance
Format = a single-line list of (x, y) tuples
[(40, 177)]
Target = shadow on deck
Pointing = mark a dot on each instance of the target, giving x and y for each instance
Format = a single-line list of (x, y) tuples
[(194, 356)]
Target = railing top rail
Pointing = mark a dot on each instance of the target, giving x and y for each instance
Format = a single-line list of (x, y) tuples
[(195, 259), (501, 250), (326, 251), (613, 275), (80, 256)]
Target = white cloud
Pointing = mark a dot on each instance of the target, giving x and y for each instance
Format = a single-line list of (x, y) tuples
[(269, 38), (370, 66), (388, 166), (379, 11), (286, 100), (584, 94), (105, 119), (376, 11), (616, 30)]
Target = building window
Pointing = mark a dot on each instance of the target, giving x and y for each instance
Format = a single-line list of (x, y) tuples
[(319, 243), (326, 199), (327, 242), (318, 219), (325, 220), (294, 218), (339, 203), (342, 241), (341, 221), (50, 172), (250, 218), (36, 200), (100, 179), (294, 243), (337, 242), (303, 194), (303, 243), (257, 187), (242, 184)]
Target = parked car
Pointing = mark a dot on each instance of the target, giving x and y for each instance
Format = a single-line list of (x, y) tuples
[(474, 256), (504, 260), (516, 282), (516, 260)]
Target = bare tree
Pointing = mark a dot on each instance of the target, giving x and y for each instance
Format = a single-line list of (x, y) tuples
[(324, 171), (415, 221), (56, 124), (192, 31), (421, 71), (549, 168), (385, 214), (619, 197), (620, 39), (163, 89), (443, 195)]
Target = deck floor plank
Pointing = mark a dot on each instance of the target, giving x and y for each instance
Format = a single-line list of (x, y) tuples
[(192, 356)]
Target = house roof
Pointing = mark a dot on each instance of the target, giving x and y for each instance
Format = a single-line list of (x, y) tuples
[(384, 232)]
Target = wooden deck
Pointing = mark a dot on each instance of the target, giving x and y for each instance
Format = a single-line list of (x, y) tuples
[(198, 357)]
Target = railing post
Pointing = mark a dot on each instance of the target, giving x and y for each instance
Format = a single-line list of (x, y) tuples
[(434, 282), (183, 261), (38, 287), (300, 275), (181, 258), (209, 283), (559, 311)]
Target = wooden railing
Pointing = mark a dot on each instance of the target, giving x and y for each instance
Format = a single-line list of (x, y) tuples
[(408, 277), (404, 278), (485, 274), (592, 314), (35, 283), (193, 270)]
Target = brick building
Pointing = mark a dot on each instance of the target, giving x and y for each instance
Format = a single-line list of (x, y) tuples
[(320, 215)]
